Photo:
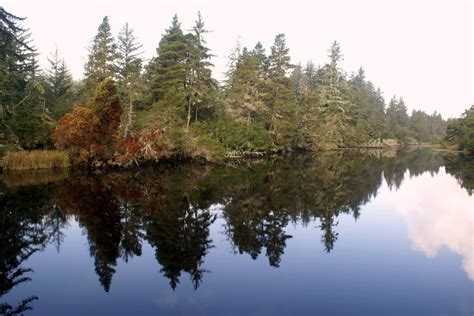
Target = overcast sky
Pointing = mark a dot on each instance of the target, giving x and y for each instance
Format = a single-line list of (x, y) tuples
[(421, 50)]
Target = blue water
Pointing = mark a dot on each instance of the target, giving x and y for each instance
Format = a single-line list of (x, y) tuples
[(409, 251)]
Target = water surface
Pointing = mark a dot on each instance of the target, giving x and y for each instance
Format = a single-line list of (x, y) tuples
[(330, 234)]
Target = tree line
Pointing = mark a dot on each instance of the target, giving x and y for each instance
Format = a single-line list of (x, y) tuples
[(127, 109)]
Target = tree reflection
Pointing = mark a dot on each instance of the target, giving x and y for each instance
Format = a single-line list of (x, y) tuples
[(96, 209), (171, 209), (462, 168), (22, 233)]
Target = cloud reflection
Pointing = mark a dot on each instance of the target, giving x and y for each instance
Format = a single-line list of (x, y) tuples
[(438, 213)]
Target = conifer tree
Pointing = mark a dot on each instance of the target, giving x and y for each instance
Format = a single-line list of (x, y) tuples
[(167, 76), (16, 53), (201, 85), (334, 104), (279, 97), (179, 78), (245, 95), (102, 56), (58, 84), (129, 67)]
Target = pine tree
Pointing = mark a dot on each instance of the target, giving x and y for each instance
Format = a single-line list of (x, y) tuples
[(16, 51), (306, 98), (335, 106), (201, 85), (22, 104), (279, 97), (58, 84), (102, 56), (397, 118), (129, 67), (167, 76), (244, 95), (179, 78)]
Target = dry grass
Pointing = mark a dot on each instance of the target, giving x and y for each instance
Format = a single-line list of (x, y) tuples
[(36, 159), (18, 178)]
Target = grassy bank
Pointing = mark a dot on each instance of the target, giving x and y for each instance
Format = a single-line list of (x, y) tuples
[(36, 159)]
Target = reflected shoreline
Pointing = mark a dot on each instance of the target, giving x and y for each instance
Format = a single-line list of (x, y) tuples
[(171, 209)]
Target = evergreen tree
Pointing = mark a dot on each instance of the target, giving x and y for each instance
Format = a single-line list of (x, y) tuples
[(23, 109), (397, 118), (58, 84), (367, 112), (279, 96), (179, 78), (334, 104), (306, 98), (245, 95), (15, 60), (129, 66), (167, 76), (460, 131), (102, 56), (201, 85)]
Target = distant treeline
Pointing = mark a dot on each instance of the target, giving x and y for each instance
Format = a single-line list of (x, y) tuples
[(126, 110)]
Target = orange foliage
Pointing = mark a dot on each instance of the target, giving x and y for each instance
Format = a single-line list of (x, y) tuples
[(91, 131), (136, 147)]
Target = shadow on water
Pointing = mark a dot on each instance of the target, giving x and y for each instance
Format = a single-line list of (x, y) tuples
[(172, 209)]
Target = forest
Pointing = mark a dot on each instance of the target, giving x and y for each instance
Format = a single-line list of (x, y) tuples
[(127, 110)]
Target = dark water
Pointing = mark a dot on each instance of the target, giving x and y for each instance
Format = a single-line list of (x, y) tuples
[(334, 234)]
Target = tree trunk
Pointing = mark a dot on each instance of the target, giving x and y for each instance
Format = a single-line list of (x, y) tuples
[(129, 117), (189, 114)]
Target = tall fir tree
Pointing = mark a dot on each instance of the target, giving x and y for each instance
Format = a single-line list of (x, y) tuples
[(167, 76), (102, 57), (129, 68), (279, 96), (202, 88), (334, 104), (58, 84), (245, 95), (23, 117), (16, 51), (179, 78)]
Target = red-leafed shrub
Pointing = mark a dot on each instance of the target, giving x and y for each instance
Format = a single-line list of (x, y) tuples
[(90, 132), (149, 146)]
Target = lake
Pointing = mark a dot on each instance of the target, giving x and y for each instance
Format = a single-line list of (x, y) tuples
[(342, 233)]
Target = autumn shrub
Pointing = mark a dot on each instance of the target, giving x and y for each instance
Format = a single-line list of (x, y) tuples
[(145, 146), (36, 159), (91, 132)]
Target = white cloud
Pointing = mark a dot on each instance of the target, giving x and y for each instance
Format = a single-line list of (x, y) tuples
[(437, 219)]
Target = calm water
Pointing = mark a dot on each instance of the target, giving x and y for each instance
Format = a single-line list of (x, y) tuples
[(334, 234)]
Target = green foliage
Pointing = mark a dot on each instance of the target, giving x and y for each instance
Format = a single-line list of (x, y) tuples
[(102, 56), (279, 97), (58, 86), (236, 136), (179, 78), (461, 131), (130, 81), (30, 121), (16, 65), (266, 103), (245, 92)]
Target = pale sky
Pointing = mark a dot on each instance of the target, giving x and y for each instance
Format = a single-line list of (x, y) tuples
[(420, 50)]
